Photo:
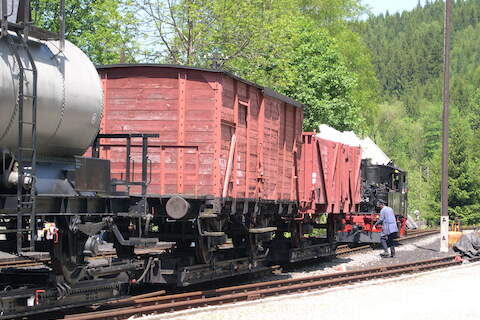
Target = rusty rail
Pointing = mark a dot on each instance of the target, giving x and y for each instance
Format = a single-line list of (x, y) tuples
[(176, 302)]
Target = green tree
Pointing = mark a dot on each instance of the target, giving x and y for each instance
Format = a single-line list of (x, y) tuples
[(203, 33), (103, 29), (288, 45), (407, 52), (463, 180), (304, 63), (322, 82)]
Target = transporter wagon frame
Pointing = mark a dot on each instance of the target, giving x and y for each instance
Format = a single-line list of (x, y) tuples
[(226, 162)]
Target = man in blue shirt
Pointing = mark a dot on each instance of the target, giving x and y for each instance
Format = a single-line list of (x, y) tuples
[(389, 229)]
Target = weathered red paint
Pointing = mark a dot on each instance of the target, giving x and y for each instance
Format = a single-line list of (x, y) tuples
[(196, 112), (329, 176), (366, 221)]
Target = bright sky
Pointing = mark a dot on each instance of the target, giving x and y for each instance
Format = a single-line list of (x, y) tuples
[(380, 6)]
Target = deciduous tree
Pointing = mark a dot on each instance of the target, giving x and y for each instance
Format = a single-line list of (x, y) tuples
[(103, 29)]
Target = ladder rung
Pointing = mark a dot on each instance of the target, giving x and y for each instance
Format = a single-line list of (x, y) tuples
[(28, 69), (27, 122), (29, 96), (25, 149)]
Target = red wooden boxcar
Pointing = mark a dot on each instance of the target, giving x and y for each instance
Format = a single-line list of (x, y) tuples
[(204, 118), (227, 150)]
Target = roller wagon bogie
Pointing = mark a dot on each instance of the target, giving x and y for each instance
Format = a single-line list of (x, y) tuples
[(209, 174), (201, 159)]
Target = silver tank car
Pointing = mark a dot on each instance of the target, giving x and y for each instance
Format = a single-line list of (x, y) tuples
[(69, 99)]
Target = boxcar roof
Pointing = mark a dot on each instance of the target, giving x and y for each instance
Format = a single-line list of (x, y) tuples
[(267, 91)]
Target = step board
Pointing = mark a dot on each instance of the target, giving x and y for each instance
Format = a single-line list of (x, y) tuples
[(207, 215), (262, 230), (213, 234)]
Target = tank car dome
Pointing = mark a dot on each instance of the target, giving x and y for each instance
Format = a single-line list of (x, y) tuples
[(69, 99)]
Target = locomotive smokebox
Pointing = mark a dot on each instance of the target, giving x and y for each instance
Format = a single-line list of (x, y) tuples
[(69, 97), (177, 207)]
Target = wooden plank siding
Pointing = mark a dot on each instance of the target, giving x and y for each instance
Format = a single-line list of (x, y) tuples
[(197, 112)]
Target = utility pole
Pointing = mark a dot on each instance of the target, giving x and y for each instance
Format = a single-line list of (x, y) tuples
[(444, 221)]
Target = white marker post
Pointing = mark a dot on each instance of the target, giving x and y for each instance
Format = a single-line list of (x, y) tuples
[(444, 233)]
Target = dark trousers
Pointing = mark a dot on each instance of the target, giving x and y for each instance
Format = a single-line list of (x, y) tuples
[(387, 241)]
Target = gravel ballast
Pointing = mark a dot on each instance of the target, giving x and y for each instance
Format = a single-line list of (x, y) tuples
[(408, 297), (431, 295)]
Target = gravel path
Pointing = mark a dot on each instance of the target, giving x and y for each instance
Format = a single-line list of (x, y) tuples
[(414, 296)]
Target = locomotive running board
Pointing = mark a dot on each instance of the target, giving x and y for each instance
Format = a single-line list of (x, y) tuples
[(185, 276), (283, 254), (312, 252), (27, 302)]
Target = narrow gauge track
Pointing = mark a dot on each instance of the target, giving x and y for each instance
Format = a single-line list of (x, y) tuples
[(185, 301), (341, 250)]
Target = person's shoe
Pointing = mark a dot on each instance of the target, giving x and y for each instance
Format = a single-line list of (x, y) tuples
[(392, 256), (384, 255)]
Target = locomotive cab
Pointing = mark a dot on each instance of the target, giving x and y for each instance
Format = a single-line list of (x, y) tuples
[(383, 182), (379, 182)]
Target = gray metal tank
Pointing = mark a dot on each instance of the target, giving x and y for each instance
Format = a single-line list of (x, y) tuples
[(69, 99)]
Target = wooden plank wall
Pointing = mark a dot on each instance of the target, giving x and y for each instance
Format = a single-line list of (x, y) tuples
[(196, 114), (178, 104), (266, 130)]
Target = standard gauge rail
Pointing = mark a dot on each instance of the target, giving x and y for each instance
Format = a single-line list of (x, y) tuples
[(344, 249), (184, 301)]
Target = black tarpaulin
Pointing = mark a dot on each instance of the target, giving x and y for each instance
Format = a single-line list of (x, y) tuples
[(468, 245)]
